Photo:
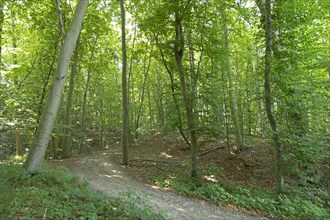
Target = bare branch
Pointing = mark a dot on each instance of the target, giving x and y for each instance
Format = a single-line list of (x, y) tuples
[(60, 18)]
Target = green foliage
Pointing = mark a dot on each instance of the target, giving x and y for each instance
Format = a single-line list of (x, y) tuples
[(136, 206), (55, 194), (300, 203), (302, 156)]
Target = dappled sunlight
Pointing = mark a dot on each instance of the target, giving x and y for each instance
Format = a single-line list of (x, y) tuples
[(106, 164), (180, 209), (154, 187), (210, 178), (164, 154), (113, 176), (116, 171)]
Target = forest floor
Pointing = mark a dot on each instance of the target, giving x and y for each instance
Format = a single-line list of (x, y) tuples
[(161, 155)]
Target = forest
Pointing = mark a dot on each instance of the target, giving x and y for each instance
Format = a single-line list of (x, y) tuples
[(226, 101)]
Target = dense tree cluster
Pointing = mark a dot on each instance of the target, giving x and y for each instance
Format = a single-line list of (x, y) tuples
[(221, 69)]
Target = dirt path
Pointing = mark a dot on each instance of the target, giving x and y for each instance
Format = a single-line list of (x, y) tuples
[(108, 176)]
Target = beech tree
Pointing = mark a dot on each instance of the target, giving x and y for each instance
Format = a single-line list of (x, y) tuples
[(124, 88), (265, 9), (36, 155), (201, 74)]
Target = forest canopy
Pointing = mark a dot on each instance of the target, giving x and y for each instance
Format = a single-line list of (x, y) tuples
[(204, 69)]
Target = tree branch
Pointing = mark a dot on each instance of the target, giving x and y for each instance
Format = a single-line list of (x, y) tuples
[(60, 18)]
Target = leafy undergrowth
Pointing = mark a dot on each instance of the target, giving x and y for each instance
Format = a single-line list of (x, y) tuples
[(302, 204), (240, 181), (56, 194)]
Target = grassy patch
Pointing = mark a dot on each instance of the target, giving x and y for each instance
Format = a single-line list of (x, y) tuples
[(298, 203), (56, 194)]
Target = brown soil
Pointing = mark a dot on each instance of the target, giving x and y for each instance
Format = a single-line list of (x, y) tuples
[(159, 155), (163, 156)]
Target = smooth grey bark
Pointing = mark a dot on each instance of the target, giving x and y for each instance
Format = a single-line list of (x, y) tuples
[(265, 9), (37, 152), (124, 158), (232, 97)]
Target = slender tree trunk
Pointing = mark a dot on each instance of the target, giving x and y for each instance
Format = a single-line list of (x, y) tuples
[(269, 100), (178, 53), (260, 115), (124, 159), (151, 113), (130, 90), (18, 143), (225, 111), (238, 98), (175, 100), (67, 118), (37, 152), (247, 102), (145, 76), (2, 17), (46, 80), (85, 96), (159, 99), (232, 98)]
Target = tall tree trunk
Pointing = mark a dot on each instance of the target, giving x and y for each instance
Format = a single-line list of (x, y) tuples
[(67, 118), (151, 113), (225, 111), (260, 115), (46, 80), (124, 159), (268, 96), (18, 143), (145, 76), (37, 152), (85, 96), (178, 53), (2, 17), (159, 99), (247, 102), (175, 100), (130, 90), (232, 98)]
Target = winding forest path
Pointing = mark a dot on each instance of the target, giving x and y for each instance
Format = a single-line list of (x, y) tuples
[(107, 176)]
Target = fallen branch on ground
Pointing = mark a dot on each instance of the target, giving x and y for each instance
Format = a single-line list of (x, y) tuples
[(210, 150)]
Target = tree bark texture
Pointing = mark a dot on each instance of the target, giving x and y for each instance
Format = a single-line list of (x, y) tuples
[(37, 152)]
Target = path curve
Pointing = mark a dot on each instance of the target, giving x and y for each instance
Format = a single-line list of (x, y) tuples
[(111, 178)]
